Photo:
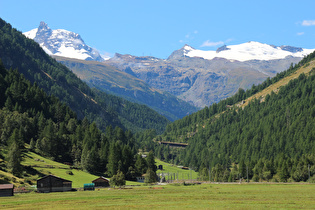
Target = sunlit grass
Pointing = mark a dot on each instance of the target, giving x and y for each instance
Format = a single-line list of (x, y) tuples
[(173, 170), (214, 196)]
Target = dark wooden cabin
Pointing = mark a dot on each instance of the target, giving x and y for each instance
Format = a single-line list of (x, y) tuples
[(101, 182), (53, 183), (6, 190)]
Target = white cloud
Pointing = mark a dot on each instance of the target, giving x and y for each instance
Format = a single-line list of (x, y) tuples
[(211, 44), (300, 33), (208, 43), (308, 23), (189, 36)]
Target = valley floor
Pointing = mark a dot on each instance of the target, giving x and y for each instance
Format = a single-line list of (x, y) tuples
[(203, 196)]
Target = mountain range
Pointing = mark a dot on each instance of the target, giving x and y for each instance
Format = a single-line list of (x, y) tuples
[(206, 77), (198, 77)]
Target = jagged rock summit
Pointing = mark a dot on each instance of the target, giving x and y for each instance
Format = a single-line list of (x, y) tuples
[(64, 43)]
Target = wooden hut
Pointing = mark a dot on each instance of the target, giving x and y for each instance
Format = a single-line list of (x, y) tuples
[(101, 182), (53, 183), (6, 190)]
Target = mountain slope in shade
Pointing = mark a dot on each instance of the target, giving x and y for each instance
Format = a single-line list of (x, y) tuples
[(124, 84), (61, 42)]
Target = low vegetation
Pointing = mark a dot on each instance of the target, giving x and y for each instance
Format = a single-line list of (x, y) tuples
[(204, 196)]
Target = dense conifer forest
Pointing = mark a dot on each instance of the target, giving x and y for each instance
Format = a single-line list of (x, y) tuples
[(29, 116)]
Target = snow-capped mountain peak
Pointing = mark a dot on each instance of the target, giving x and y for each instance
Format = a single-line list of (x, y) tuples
[(249, 51), (62, 43)]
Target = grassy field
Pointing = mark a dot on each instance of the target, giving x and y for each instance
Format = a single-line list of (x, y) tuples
[(47, 166), (204, 196), (172, 170)]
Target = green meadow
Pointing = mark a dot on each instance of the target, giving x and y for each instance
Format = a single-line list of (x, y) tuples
[(170, 171), (203, 196)]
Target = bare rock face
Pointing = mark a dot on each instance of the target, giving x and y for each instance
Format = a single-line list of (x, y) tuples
[(200, 81)]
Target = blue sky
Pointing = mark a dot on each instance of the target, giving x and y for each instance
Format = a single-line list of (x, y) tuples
[(158, 27)]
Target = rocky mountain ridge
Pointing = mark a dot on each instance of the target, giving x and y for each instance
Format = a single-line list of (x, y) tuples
[(64, 43), (201, 81), (195, 76)]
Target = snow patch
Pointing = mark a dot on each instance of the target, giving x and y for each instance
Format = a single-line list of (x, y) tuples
[(31, 34), (248, 51)]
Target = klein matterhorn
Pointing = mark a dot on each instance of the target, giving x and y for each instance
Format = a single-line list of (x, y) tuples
[(64, 43)]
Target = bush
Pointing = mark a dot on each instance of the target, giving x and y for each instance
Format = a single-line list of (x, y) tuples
[(255, 178), (69, 172), (312, 179), (118, 179)]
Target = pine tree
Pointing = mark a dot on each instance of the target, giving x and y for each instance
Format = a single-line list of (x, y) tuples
[(113, 159), (9, 104), (151, 161), (14, 159), (32, 144), (150, 176), (140, 165)]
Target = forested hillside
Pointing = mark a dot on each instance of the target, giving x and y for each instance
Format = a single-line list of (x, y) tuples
[(19, 52), (274, 136), (29, 116)]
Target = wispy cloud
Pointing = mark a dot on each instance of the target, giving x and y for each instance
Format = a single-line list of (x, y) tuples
[(308, 23), (189, 36), (208, 43), (211, 44), (300, 33)]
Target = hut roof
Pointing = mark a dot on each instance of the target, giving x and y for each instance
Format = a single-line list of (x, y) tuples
[(6, 186), (65, 180), (101, 178)]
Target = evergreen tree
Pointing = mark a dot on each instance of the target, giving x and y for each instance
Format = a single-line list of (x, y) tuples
[(140, 165), (113, 159), (32, 144), (14, 158), (150, 176), (151, 161)]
